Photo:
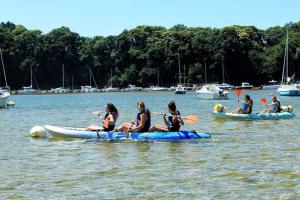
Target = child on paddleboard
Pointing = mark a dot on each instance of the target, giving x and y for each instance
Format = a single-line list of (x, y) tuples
[(109, 120), (173, 122)]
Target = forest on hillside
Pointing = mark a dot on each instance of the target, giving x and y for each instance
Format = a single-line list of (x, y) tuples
[(136, 56)]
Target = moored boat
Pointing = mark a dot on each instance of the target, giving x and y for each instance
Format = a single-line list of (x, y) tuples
[(225, 86), (4, 91), (271, 85), (88, 89), (133, 88), (68, 132), (3, 98), (212, 92), (287, 88), (245, 86), (180, 90)]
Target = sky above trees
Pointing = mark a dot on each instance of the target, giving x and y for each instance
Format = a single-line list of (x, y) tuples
[(102, 17)]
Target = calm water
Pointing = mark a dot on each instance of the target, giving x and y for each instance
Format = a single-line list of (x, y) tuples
[(243, 160)]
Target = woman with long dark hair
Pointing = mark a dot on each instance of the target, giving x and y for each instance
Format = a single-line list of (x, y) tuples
[(109, 120)]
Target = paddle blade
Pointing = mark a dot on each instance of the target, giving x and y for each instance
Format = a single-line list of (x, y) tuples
[(238, 92), (263, 100), (156, 113), (191, 119), (95, 112)]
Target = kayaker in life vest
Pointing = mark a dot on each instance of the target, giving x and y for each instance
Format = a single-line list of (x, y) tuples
[(246, 106), (109, 120), (172, 123), (141, 122), (274, 107)]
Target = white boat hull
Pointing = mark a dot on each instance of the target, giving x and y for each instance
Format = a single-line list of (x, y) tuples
[(212, 96), (270, 87), (288, 90), (3, 99), (111, 89)]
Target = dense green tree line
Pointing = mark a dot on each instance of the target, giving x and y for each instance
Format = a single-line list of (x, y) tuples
[(136, 56)]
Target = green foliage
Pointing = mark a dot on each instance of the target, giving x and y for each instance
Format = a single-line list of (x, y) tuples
[(136, 55)]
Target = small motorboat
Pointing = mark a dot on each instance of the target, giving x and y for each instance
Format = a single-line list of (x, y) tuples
[(212, 92), (245, 86)]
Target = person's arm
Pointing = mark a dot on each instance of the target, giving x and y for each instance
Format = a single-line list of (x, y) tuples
[(165, 120), (180, 120), (141, 125)]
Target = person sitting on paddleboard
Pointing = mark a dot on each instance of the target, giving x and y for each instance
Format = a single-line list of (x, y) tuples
[(274, 107), (141, 123), (173, 122), (109, 120), (246, 106)]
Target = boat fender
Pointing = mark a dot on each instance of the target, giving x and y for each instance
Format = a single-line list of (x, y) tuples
[(219, 108), (38, 131), (287, 108)]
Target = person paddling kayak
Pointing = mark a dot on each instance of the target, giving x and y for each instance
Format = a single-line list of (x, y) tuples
[(141, 122), (109, 120), (274, 107), (173, 122), (246, 106)]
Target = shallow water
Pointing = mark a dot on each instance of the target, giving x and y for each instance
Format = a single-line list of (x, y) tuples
[(243, 160)]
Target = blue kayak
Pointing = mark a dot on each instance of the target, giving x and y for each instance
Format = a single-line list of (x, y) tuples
[(254, 116), (69, 132)]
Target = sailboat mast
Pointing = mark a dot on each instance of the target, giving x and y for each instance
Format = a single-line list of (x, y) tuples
[(3, 69), (179, 69), (285, 60), (63, 76), (157, 77), (287, 53), (72, 83), (184, 74), (223, 72), (90, 77), (31, 84), (205, 72), (111, 77)]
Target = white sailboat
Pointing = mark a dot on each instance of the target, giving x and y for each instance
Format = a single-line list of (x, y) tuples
[(28, 89), (157, 87), (61, 89), (287, 88), (111, 88), (4, 92), (223, 85), (179, 89), (89, 88)]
